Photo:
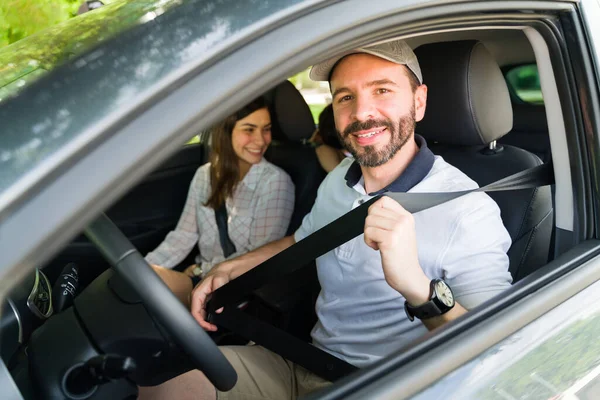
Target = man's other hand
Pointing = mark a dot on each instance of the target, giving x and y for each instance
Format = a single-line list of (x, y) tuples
[(200, 296)]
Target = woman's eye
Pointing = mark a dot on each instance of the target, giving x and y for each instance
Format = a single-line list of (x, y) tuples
[(345, 98)]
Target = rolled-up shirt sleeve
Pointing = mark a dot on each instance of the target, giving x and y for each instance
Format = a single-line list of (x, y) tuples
[(179, 242), (305, 229)]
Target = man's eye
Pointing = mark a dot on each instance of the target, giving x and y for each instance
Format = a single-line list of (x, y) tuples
[(382, 91), (345, 98)]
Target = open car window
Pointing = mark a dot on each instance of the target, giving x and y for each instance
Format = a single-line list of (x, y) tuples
[(135, 168)]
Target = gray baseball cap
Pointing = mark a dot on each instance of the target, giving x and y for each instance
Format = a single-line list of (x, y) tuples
[(397, 52)]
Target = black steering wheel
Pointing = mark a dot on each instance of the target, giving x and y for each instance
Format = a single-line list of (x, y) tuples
[(161, 302)]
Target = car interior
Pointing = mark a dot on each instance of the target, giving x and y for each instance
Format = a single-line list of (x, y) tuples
[(151, 209), (474, 120)]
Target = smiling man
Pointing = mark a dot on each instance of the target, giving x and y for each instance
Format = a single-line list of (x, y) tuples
[(407, 273)]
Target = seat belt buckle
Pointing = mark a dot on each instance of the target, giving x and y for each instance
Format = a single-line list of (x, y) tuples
[(243, 305), (210, 309), (210, 319)]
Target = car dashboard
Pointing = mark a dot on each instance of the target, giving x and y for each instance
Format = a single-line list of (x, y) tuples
[(25, 309)]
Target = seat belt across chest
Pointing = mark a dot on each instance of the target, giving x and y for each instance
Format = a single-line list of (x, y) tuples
[(336, 233)]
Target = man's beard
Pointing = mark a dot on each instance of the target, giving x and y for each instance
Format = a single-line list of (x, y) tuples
[(368, 156)]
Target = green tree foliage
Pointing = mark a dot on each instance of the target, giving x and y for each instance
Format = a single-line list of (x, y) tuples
[(27, 59), (21, 18)]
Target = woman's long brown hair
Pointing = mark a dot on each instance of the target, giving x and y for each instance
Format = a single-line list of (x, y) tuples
[(224, 163)]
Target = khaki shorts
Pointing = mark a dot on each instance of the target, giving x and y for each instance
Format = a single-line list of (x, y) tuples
[(263, 374)]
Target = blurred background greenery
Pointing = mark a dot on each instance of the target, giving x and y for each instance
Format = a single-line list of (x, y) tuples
[(525, 82), (46, 33), (35, 37), (317, 94), (21, 18)]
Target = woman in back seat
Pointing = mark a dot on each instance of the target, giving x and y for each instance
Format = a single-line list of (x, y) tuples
[(258, 198)]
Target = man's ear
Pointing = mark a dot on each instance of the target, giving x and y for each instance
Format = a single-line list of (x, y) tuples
[(420, 102)]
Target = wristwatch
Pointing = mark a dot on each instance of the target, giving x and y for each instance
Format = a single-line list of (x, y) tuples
[(441, 300), (197, 271)]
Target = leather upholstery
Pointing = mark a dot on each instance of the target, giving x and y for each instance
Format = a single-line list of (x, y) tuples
[(292, 113), (301, 163), (465, 86), (293, 125), (289, 303), (457, 134), (530, 130)]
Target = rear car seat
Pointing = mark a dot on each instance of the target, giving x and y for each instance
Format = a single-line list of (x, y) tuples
[(293, 125), (289, 303), (530, 130)]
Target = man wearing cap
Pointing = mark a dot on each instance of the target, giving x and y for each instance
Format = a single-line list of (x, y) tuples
[(409, 272)]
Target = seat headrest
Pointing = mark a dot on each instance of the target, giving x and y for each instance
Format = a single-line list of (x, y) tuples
[(293, 119), (467, 100)]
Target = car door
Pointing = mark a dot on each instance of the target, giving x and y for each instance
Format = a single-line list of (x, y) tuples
[(350, 23), (555, 357)]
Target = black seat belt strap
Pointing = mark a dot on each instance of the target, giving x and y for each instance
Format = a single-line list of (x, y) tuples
[(541, 175), (280, 342), (320, 242), (350, 225), (221, 219), (299, 254)]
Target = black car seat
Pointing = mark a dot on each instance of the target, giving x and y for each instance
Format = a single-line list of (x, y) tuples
[(468, 110), (288, 303), (293, 125), (530, 130)]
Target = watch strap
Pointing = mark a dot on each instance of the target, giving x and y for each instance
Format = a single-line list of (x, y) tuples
[(432, 308), (424, 311)]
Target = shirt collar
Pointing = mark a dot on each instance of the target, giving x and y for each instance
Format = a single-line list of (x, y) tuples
[(414, 173), (252, 177)]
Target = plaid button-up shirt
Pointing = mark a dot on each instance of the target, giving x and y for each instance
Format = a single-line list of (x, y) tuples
[(258, 213)]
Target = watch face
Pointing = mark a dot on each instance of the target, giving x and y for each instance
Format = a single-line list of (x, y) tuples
[(443, 292)]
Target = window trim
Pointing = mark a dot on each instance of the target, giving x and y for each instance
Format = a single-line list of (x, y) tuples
[(588, 106)]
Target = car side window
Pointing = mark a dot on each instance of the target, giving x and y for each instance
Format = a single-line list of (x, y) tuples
[(524, 83)]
